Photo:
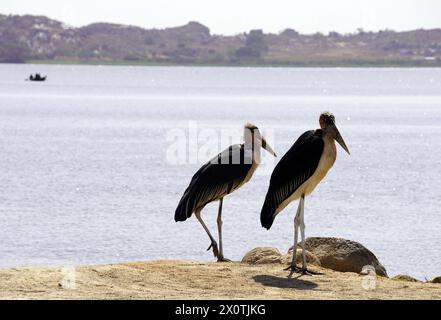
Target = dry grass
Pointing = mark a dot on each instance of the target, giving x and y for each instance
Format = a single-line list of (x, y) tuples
[(200, 280)]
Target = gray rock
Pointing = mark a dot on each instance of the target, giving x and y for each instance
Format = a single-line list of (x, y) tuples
[(404, 277), (263, 255), (436, 280), (342, 255), (310, 258)]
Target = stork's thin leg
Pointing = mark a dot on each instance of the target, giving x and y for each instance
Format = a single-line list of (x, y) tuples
[(304, 269), (293, 267), (219, 229), (213, 242), (302, 229)]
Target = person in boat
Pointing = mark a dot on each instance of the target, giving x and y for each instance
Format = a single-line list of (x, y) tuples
[(37, 77)]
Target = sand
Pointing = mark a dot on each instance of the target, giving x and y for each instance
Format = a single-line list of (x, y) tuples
[(177, 279)]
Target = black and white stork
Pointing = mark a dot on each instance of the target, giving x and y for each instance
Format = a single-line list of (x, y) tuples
[(297, 174), (222, 175)]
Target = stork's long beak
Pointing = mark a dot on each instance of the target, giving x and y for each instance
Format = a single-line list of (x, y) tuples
[(340, 140), (267, 147)]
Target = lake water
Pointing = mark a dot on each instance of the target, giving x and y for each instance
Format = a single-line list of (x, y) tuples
[(86, 175)]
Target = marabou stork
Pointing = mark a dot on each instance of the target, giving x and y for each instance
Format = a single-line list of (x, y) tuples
[(297, 174), (222, 175)]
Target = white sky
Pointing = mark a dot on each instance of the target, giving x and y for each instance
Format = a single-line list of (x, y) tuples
[(236, 16)]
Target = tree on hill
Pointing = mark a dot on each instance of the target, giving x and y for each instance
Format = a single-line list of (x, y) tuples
[(13, 53), (254, 47)]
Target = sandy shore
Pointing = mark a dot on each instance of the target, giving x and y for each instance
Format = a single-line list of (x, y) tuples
[(200, 280)]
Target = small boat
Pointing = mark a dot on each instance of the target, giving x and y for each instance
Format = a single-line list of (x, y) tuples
[(37, 77)]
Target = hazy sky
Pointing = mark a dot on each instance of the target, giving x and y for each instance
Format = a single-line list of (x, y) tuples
[(235, 16)]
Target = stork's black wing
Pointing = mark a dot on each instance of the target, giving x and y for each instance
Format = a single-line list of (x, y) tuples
[(296, 166), (214, 180)]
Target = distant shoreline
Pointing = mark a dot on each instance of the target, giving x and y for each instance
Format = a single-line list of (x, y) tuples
[(192, 44), (230, 65)]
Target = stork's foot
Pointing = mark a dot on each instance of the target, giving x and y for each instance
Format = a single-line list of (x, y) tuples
[(293, 269), (222, 259), (302, 271), (213, 246), (307, 272)]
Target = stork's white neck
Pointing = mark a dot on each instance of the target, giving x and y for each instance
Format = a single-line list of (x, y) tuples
[(329, 152), (252, 146), (253, 152)]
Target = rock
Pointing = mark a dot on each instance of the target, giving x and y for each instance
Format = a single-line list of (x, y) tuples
[(436, 280), (263, 255), (404, 277), (310, 258), (343, 255)]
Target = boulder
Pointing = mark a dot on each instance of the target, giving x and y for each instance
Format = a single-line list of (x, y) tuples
[(436, 280), (310, 258), (263, 255), (404, 277), (342, 255)]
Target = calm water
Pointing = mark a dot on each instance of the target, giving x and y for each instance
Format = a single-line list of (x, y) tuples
[(85, 176)]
